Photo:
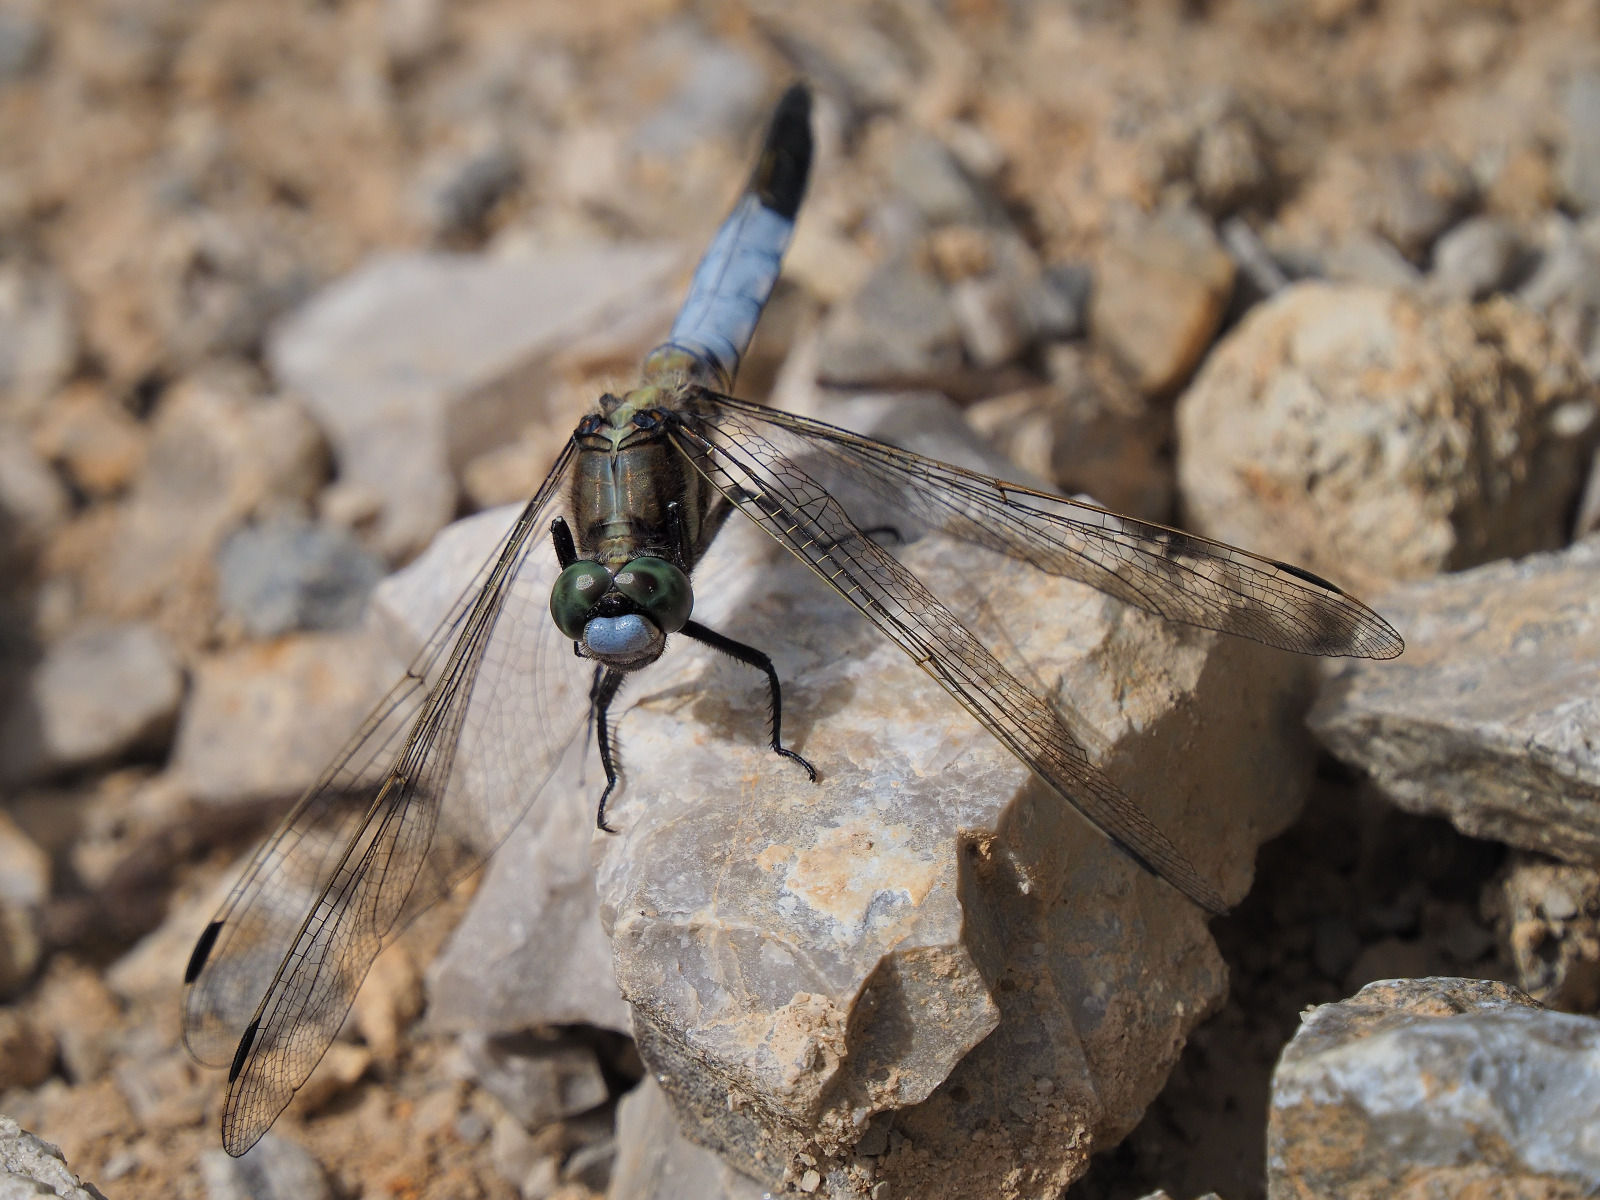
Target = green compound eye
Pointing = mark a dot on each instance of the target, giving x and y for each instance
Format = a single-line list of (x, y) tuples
[(660, 589), (574, 594)]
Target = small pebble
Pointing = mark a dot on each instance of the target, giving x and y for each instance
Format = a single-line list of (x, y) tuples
[(810, 1181)]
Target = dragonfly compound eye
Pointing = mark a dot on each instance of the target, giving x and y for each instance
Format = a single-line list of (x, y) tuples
[(575, 592), (660, 589)]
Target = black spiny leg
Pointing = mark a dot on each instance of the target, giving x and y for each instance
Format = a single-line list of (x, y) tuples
[(607, 684), (750, 656)]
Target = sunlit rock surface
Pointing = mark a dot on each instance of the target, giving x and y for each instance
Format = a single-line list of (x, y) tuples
[(928, 933), (925, 970), (1436, 1087), (1488, 718)]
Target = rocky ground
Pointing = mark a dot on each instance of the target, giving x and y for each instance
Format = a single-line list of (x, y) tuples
[(286, 289)]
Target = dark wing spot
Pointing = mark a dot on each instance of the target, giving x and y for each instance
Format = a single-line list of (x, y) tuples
[(202, 951), (243, 1052), (1302, 573)]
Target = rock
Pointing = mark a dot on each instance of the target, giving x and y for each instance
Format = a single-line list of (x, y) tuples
[(220, 280), (718, 96), (24, 867), (339, 1070), (74, 1005), (1087, 432), (924, 172), (898, 330), (273, 1169), (913, 960), (30, 1167), (1058, 307), (27, 1053), (219, 453), (656, 1162), (457, 188), (1566, 286), (986, 311), (1419, 196), (840, 955), (1580, 157), (97, 442), (38, 337), (1435, 1087), (100, 693), (32, 500), (287, 575), (417, 363), (390, 999), (262, 721), (539, 1078), (1364, 258), (164, 1092), (1477, 257), (1485, 718), (23, 39), (1370, 436), (590, 1166), (1254, 260), (1160, 293), (1588, 518), (1547, 915)]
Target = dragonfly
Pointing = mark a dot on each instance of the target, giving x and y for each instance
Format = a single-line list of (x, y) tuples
[(457, 752)]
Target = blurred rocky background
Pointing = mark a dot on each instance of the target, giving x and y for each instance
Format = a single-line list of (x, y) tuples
[(286, 288)]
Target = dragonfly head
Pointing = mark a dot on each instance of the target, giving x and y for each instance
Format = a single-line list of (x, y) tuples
[(622, 619)]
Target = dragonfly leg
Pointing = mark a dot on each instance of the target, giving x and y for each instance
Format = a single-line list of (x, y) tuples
[(750, 656), (679, 528), (566, 549), (607, 683)]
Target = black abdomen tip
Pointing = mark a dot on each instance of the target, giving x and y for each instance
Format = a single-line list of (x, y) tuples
[(780, 178)]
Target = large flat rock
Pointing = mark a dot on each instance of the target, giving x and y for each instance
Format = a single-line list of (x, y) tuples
[(1489, 716), (924, 971), (415, 363)]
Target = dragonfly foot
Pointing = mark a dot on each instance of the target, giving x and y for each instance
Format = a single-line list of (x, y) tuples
[(806, 763)]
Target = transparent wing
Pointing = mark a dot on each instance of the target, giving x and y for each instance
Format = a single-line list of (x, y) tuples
[(754, 465), (434, 780), (1165, 571)]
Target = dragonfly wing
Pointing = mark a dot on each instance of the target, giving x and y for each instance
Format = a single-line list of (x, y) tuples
[(1169, 572), (774, 491), (428, 787)]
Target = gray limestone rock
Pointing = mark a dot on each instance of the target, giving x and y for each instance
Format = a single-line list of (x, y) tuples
[(100, 692), (275, 1168), (261, 722), (1435, 1087), (31, 1167), (898, 329), (1489, 716), (219, 453), (1418, 196), (656, 1162), (1580, 160), (38, 334), (929, 931), (417, 363), (1477, 257), (1371, 436), (539, 1078), (285, 575), (1369, 259)]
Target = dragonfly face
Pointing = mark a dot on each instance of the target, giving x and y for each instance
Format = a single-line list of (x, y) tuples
[(632, 503)]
